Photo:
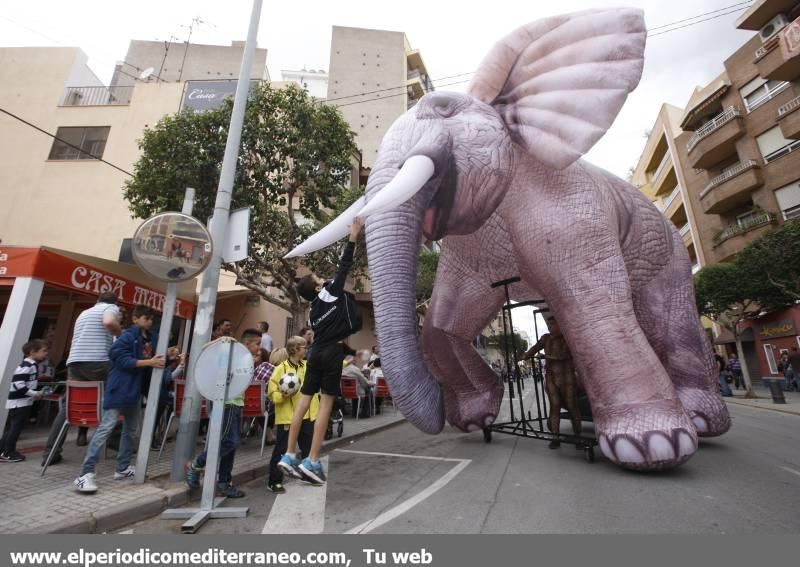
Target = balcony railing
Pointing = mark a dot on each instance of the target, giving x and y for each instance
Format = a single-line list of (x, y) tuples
[(745, 226), (97, 96), (790, 106), (713, 125), (686, 229), (768, 95), (728, 174), (666, 161), (672, 196)]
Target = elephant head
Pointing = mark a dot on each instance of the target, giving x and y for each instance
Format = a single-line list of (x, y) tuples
[(444, 167)]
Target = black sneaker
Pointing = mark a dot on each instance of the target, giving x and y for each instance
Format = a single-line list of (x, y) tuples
[(276, 487), (229, 491), (12, 458), (57, 458)]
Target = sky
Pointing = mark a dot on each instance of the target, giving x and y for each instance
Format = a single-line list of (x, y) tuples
[(452, 37)]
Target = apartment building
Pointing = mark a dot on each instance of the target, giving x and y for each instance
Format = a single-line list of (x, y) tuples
[(659, 174), (54, 197), (375, 76), (733, 153), (315, 81)]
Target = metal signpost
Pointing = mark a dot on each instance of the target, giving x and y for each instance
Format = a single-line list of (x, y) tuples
[(223, 372), (171, 247), (190, 415)]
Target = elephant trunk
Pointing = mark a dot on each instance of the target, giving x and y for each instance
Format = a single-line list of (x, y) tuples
[(393, 242)]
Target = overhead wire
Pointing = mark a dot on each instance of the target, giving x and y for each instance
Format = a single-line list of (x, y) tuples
[(715, 14), (43, 131)]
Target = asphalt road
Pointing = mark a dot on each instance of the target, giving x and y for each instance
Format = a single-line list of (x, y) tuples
[(746, 482)]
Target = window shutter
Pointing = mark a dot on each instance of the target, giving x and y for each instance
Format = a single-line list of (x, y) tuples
[(752, 87), (771, 141), (789, 196)]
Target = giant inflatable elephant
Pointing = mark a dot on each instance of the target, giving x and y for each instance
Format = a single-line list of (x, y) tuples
[(497, 173)]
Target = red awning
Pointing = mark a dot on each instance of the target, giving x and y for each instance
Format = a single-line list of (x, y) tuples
[(92, 276)]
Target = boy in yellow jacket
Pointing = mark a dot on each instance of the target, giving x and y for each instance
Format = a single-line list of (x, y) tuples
[(284, 410)]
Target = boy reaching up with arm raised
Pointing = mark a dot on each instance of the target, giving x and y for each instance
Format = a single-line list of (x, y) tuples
[(334, 316)]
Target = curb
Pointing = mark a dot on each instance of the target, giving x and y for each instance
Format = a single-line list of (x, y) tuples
[(784, 411), (128, 513)]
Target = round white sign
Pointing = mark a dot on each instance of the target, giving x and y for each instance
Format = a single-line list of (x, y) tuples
[(211, 371)]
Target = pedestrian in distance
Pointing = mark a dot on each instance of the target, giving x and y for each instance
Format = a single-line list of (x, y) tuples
[(334, 317), (122, 398), (285, 403), (735, 368), (21, 397), (722, 377), (266, 339)]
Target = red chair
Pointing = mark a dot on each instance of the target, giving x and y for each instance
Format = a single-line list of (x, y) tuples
[(382, 390), (84, 409), (350, 392), (179, 387), (255, 406)]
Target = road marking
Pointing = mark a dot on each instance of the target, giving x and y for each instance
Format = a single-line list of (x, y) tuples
[(405, 506), (301, 510), (400, 455), (787, 469)]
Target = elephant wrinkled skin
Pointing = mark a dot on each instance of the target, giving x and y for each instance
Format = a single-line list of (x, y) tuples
[(510, 196)]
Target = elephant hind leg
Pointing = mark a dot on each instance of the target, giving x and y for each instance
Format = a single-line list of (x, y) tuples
[(666, 311)]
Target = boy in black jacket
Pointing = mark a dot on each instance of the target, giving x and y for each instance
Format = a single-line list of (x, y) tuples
[(332, 320)]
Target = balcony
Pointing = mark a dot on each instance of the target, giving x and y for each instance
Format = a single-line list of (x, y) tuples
[(772, 64), (97, 96), (733, 239), (762, 11), (716, 139), (789, 119), (686, 234), (732, 188), (673, 202), (662, 173)]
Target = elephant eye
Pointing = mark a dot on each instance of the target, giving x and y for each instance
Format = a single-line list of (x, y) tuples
[(445, 108)]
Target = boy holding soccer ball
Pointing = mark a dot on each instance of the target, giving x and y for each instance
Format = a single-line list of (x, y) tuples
[(284, 391)]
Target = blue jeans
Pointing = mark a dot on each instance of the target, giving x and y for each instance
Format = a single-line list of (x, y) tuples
[(229, 441), (107, 424), (724, 387)]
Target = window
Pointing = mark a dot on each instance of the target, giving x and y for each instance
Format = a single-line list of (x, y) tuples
[(79, 143), (773, 145), (789, 200), (746, 219), (773, 366), (758, 91)]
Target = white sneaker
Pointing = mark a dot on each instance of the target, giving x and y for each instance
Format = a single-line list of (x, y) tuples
[(86, 483), (127, 473)]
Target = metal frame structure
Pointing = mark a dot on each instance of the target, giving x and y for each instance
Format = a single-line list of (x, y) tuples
[(526, 424)]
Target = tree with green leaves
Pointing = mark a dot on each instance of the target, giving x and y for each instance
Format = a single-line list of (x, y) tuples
[(776, 256), (732, 292), (293, 170), (427, 264)]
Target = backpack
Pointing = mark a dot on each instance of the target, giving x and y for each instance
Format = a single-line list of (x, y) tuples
[(354, 318)]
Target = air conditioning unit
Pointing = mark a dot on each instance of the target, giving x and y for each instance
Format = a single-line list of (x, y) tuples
[(773, 27)]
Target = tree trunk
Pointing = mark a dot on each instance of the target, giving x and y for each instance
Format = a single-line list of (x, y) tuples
[(299, 317), (748, 384)]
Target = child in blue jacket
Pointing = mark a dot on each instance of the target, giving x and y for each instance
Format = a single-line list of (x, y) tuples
[(122, 397)]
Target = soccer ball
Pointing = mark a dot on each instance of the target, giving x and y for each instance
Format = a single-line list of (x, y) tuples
[(288, 384)]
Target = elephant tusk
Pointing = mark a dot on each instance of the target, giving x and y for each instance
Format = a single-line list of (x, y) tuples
[(335, 230), (412, 177)]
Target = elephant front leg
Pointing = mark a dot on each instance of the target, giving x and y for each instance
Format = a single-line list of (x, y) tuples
[(458, 314), (640, 422)]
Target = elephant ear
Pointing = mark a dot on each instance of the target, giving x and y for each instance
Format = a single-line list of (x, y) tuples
[(559, 83)]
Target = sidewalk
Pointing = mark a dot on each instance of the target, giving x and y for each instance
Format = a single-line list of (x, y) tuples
[(49, 504), (764, 401)]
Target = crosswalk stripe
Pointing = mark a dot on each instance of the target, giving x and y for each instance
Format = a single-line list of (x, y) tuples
[(301, 510)]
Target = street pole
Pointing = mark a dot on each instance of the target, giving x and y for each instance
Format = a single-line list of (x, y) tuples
[(190, 415), (153, 395)]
